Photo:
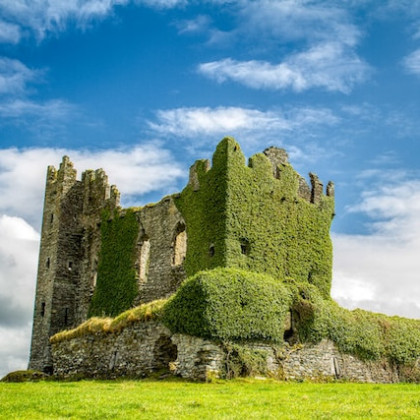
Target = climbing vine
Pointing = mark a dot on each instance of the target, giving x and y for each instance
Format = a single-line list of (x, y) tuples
[(116, 286)]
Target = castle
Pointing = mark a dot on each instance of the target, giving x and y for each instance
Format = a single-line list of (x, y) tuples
[(260, 223)]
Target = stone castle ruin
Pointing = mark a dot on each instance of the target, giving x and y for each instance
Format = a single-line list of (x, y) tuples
[(230, 277)]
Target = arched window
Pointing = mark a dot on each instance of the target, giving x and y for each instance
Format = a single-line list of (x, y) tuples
[(179, 245)]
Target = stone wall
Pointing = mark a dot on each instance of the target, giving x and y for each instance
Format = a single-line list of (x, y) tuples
[(160, 250), (142, 348), (137, 351)]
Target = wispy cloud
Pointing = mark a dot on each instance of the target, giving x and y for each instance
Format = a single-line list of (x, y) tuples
[(199, 24), (18, 102), (49, 110), (190, 122), (15, 76), (9, 32), (311, 21), (326, 66), (326, 58), (44, 16), (412, 62)]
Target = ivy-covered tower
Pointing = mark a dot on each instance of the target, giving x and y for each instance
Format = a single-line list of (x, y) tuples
[(260, 217)]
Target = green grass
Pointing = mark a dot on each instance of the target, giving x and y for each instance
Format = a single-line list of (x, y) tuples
[(237, 399)]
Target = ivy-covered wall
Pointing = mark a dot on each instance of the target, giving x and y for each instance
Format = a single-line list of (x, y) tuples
[(116, 287), (205, 212), (255, 221)]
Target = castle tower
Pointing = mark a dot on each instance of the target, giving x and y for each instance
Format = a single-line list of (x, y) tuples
[(69, 243), (260, 217)]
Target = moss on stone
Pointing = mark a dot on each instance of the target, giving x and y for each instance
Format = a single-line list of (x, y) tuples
[(145, 312), (116, 287), (24, 376)]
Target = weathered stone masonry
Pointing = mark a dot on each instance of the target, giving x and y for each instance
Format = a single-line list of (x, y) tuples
[(143, 348)]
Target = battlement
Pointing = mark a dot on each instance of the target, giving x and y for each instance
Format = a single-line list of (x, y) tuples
[(278, 159)]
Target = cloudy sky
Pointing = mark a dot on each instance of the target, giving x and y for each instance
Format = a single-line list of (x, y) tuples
[(142, 88)]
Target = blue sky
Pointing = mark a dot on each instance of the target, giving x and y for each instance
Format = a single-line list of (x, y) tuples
[(143, 88)]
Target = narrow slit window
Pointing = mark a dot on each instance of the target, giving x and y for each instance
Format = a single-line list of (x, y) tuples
[(43, 309), (211, 251), (47, 263), (66, 316), (70, 265)]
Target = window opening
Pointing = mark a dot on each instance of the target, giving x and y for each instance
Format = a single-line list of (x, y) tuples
[(179, 246), (211, 251), (245, 247), (144, 259)]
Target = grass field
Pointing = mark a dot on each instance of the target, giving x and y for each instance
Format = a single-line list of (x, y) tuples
[(237, 399)]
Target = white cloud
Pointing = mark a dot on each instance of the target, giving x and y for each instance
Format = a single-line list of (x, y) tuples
[(328, 66), (9, 32), (380, 271), (412, 62), (314, 21), (52, 110), (199, 24), (44, 16), (14, 348), (14, 76), (322, 31), (19, 244), (135, 171), (192, 122)]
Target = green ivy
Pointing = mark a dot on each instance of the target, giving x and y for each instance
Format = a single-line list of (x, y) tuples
[(368, 335), (229, 304), (243, 361), (116, 286), (254, 221), (237, 305)]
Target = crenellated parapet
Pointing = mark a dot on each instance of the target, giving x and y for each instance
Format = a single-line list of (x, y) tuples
[(97, 193)]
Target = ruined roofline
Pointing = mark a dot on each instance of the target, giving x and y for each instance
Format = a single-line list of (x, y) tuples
[(66, 174), (278, 157)]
